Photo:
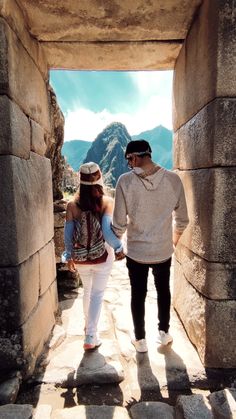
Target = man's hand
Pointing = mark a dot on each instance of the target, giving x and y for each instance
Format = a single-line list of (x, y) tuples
[(120, 255), (71, 265)]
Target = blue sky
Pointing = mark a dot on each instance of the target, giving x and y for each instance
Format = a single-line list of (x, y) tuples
[(90, 100)]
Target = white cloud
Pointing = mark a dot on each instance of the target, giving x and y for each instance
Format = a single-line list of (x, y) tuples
[(85, 124), (153, 82), (155, 109)]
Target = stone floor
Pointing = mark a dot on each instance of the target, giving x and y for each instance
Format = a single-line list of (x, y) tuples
[(114, 375)]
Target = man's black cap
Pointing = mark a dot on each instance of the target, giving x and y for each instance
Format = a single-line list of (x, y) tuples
[(138, 147)]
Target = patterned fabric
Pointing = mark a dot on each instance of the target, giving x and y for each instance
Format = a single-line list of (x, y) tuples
[(88, 242)]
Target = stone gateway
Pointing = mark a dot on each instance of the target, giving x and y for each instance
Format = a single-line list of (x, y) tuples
[(195, 38)]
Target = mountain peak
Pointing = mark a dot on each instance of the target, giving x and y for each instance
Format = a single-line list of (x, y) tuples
[(108, 151), (109, 147)]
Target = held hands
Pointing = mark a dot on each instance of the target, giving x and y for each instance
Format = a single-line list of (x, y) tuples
[(71, 265), (119, 255)]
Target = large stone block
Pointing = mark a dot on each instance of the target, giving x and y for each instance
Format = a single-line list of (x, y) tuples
[(112, 55), (195, 406), (38, 143), (205, 67), (36, 330), (47, 267), (209, 324), (208, 139), (15, 129), (214, 280), (210, 195), (12, 13), (19, 292), (26, 211), (223, 403), (11, 355), (21, 78), (19, 411), (121, 21)]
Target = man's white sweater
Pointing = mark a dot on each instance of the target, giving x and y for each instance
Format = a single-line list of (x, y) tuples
[(148, 208)]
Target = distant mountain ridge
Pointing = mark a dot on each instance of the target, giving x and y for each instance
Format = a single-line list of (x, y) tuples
[(160, 140), (108, 150), (75, 152)]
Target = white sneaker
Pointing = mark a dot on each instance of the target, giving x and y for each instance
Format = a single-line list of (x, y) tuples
[(91, 342), (140, 345), (164, 338)]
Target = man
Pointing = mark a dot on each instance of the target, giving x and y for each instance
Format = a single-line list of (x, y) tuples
[(148, 200)]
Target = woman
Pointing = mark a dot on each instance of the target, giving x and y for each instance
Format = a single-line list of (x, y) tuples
[(88, 224)]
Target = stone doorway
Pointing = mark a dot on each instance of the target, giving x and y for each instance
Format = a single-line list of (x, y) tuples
[(203, 57)]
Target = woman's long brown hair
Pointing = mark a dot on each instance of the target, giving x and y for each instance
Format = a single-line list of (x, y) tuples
[(90, 198)]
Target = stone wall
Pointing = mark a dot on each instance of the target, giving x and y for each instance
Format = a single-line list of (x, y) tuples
[(28, 294), (204, 108)]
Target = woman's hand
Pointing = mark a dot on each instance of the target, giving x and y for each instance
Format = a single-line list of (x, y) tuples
[(71, 265)]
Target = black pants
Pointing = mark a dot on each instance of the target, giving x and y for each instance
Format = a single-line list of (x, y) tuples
[(138, 274)]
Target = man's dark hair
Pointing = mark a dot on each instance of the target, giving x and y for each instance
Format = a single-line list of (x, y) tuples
[(139, 147)]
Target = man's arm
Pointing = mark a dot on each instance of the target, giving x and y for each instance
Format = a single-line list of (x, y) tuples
[(119, 223), (180, 217)]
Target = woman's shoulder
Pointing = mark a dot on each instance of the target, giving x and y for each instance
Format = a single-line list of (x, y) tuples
[(72, 207), (72, 204), (107, 199), (108, 203)]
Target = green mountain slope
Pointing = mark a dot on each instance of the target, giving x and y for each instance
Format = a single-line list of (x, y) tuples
[(160, 139), (75, 152), (108, 149)]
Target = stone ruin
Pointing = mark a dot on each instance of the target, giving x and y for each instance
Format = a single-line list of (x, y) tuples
[(197, 40)]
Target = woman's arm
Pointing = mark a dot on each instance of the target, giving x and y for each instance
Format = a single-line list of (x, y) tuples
[(68, 236), (108, 233)]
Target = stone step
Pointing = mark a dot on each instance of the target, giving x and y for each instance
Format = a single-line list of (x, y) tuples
[(16, 411), (220, 404), (91, 412)]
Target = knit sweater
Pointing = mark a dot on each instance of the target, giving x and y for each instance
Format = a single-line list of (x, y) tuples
[(148, 208)]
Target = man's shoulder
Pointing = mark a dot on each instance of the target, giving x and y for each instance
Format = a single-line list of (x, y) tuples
[(173, 177), (171, 174), (125, 177)]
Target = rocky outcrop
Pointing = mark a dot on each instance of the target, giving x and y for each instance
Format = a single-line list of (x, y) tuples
[(55, 143), (70, 179)]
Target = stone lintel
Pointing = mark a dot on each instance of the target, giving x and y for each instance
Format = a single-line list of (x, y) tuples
[(210, 195), (92, 21), (210, 324), (112, 55), (208, 139)]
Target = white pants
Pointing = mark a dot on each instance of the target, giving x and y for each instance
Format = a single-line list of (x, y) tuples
[(94, 279)]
